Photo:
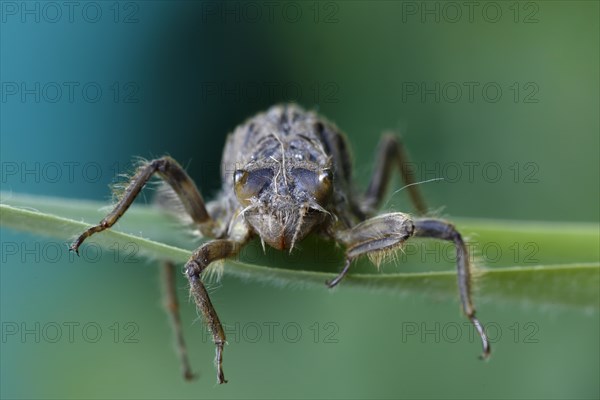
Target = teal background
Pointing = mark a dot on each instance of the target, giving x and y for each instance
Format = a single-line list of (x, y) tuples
[(352, 61)]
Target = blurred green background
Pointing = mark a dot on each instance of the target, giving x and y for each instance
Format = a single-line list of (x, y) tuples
[(499, 98)]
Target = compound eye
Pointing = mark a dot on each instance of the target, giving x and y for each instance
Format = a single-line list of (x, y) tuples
[(326, 176), (325, 186), (319, 185), (249, 184)]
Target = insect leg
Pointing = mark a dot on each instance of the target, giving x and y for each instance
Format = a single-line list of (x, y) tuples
[(172, 307), (438, 229), (391, 152), (171, 172), (375, 237), (206, 254)]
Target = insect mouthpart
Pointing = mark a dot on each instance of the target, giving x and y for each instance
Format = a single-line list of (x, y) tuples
[(281, 224), (282, 205)]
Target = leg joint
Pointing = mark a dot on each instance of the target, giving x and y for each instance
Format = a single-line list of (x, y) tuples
[(161, 164), (193, 270), (436, 228)]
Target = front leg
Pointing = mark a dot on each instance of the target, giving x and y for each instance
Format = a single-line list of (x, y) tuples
[(172, 173), (384, 234), (376, 237), (198, 262), (438, 229)]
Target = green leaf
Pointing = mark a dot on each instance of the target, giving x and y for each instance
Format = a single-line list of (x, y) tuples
[(566, 273)]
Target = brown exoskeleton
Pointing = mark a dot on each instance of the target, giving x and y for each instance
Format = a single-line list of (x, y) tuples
[(292, 177)]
